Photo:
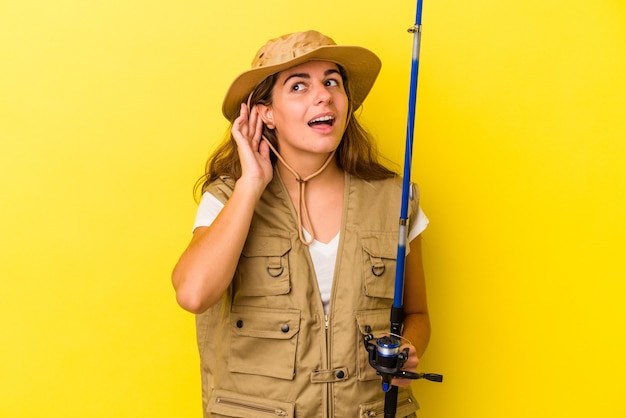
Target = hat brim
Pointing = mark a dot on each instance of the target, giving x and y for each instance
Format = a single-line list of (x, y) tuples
[(360, 64)]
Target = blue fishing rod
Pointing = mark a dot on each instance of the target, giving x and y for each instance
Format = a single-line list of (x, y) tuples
[(385, 354)]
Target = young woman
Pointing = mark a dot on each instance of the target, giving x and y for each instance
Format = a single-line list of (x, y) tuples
[(292, 258)]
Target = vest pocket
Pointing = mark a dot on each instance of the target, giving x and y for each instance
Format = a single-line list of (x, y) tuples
[(379, 264), (263, 268), (407, 407), (264, 341), (230, 404), (375, 322)]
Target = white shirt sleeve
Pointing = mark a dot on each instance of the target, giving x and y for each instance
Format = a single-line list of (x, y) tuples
[(210, 207), (208, 210), (419, 225)]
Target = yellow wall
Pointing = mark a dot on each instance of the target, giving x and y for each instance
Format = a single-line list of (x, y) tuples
[(107, 112)]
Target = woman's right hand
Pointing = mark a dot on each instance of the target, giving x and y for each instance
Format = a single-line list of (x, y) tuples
[(254, 153), (207, 266)]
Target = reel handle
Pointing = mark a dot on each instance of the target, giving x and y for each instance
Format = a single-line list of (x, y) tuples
[(385, 356)]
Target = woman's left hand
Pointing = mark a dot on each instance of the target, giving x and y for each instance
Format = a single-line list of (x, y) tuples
[(409, 366)]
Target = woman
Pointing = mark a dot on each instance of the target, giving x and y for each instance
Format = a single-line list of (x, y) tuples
[(292, 258)]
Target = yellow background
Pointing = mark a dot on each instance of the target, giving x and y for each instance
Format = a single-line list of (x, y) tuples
[(108, 110)]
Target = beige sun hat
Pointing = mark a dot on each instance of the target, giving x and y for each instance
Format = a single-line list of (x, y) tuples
[(361, 66)]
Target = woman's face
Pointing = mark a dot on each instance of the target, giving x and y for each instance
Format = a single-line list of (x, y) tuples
[(309, 109)]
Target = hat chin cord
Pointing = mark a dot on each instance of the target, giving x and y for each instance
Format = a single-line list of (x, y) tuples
[(303, 213)]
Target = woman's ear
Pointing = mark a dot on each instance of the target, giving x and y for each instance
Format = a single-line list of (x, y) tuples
[(266, 115)]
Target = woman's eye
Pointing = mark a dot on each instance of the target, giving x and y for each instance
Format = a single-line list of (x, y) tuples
[(297, 87), (332, 83)]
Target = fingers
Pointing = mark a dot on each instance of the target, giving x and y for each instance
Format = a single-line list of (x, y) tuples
[(400, 382), (259, 124), (412, 360), (236, 128), (256, 127), (264, 150), (248, 128), (410, 365), (254, 154), (240, 125)]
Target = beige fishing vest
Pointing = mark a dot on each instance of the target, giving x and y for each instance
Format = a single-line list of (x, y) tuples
[(267, 349)]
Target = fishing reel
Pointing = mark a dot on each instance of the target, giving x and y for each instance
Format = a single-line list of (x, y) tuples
[(385, 356)]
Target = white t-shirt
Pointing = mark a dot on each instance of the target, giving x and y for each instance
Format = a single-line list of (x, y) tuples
[(323, 255)]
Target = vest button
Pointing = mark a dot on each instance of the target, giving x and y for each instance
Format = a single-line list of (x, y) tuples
[(340, 374), (239, 323), (284, 328)]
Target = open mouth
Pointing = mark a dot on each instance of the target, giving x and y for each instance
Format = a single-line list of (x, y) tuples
[(323, 120)]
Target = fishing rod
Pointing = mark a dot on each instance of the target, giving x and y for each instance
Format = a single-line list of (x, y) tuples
[(385, 354)]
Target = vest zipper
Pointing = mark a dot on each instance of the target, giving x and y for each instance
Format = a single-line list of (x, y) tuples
[(252, 407), (379, 412), (329, 394)]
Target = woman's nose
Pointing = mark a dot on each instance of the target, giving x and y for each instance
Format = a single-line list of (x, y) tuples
[(322, 95)]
